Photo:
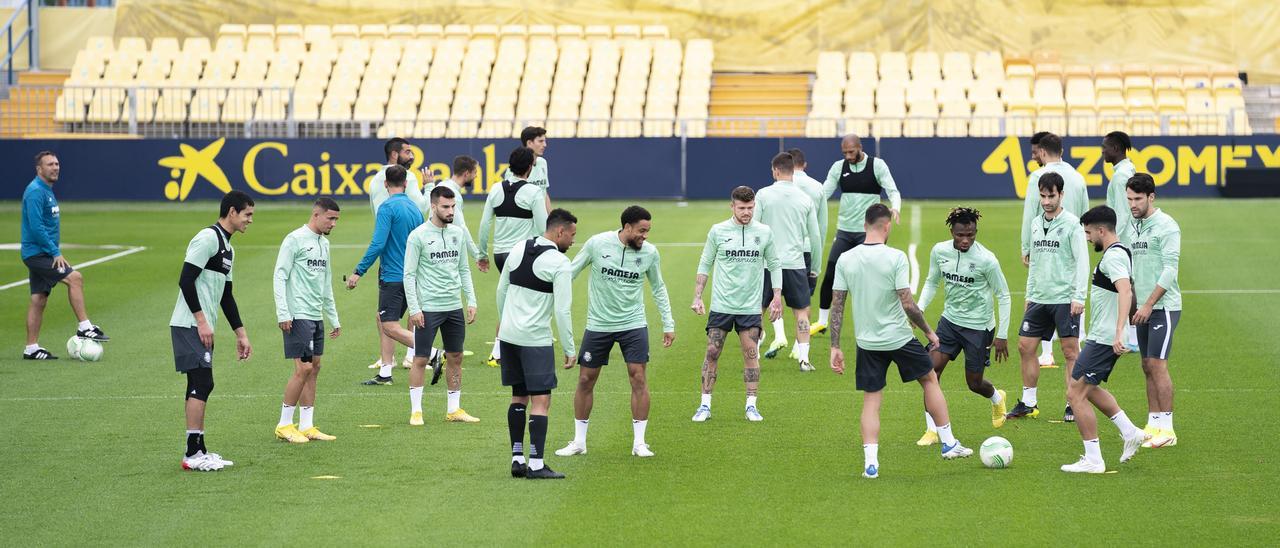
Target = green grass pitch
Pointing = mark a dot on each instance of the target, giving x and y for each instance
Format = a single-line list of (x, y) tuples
[(90, 452)]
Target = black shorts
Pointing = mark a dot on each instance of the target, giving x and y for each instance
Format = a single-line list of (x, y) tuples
[(1095, 363), (188, 352), (808, 266), (391, 301), (1040, 320), (732, 322), (452, 326), (596, 346), (305, 339), (43, 276), (531, 366), (975, 343), (499, 259), (844, 242), (1155, 338), (795, 288), (873, 365)]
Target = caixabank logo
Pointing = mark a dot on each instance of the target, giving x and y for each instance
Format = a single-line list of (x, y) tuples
[(300, 169)]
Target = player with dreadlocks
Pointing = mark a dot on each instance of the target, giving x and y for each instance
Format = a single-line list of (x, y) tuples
[(971, 274)]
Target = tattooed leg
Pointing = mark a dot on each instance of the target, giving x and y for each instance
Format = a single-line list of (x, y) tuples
[(750, 359), (715, 344)]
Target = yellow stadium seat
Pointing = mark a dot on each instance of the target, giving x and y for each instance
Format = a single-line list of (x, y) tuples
[(260, 45), (1136, 69), (893, 66), (373, 30), (1044, 56), (514, 31), (1077, 71), (71, 104), (863, 68), (462, 129), (232, 29), (988, 65), (154, 71), (984, 90), (270, 109), (957, 66), (1048, 94), (543, 31), (987, 119), (431, 128), (430, 32), (1049, 71), (121, 68), (87, 69), (268, 31), (568, 31), (926, 66), (306, 109), (135, 45), (1054, 122), (171, 107), (1082, 121), (953, 121), (313, 34), (100, 45), (457, 31), (593, 33), (165, 47), (401, 33), (335, 109), (239, 105), (655, 32), (195, 49), (289, 31), (623, 32), (204, 108), (343, 34), (228, 45), (831, 66)]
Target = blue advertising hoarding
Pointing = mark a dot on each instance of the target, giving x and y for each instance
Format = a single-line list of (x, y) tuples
[(179, 170)]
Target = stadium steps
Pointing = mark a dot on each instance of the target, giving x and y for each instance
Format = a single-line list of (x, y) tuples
[(742, 96), (30, 105), (1262, 104)]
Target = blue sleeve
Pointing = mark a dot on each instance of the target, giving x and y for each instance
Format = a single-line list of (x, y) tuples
[(381, 229), (33, 217)]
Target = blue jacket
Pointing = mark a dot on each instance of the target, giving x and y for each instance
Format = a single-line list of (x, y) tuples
[(397, 217), (41, 228)]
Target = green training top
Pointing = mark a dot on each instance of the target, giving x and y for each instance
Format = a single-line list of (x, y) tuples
[(853, 206), (210, 284), (1118, 199), (303, 280), (1157, 247), (526, 313), (508, 231), (971, 278), (1075, 198), (740, 254), (1059, 268), (873, 274), (790, 213), (436, 267), (813, 189), (615, 290), (1104, 302)]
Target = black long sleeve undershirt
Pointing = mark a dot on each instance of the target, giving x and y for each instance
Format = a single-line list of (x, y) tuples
[(229, 308), (187, 283)]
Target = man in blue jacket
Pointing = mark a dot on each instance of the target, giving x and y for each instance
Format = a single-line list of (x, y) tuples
[(40, 237), (397, 217)]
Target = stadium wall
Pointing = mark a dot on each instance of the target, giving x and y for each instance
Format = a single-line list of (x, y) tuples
[(601, 168), (786, 35)]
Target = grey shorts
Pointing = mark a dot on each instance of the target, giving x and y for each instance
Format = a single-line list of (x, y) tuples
[(188, 352), (596, 346), (42, 276), (1155, 338), (795, 288), (1095, 363), (530, 367), (391, 301), (733, 322), (305, 339), (872, 367), (452, 326), (1041, 320), (975, 343)]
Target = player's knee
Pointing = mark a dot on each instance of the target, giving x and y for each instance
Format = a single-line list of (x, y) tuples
[(975, 385), (638, 381), (200, 383), (713, 352), (305, 366), (1070, 352), (74, 279), (585, 382), (1027, 346)]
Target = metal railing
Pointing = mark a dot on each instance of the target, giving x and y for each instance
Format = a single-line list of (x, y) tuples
[(30, 36), (272, 112)]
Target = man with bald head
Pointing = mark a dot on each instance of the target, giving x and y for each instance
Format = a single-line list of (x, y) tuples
[(861, 178)]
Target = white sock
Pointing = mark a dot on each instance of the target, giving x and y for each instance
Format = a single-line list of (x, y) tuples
[(802, 350), (822, 315), (497, 350), (580, 432), (871, 454), (455, 400), (386, 369), (286, 415), (1167, 420), (305, 417), (415, 398), (778, 328), (535, 464), (995, 397), (1046, 348), (706, 400), (1154, 420), (751, 401), (1093, 451), (517, 458), (928, 422), (1127, 429), (945, 436), (1029, 396), (84, 325), (637, 427), (30, 348), (760, 343), (409, 355)]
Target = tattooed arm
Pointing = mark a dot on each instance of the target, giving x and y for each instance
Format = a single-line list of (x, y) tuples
[(916, 316), (834, 322)]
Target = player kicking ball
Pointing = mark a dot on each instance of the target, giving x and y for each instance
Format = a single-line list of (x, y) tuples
[(740, 249), (971, 275), (303, 287), (620, 261), (436, 269), (1110, 303), (876, 277)]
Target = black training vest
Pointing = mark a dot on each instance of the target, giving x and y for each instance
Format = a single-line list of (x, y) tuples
[(220, 262), (862, 182), (523, 275), (508, 207), (1101, 280)]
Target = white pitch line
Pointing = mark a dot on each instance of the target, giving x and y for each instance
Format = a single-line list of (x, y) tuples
[(82, 266), (915, 245)]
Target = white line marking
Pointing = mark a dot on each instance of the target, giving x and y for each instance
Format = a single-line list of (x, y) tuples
[(915, 245), (127, 251)]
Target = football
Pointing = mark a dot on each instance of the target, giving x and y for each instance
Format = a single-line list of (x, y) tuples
[(87, 350), (996, 452)]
